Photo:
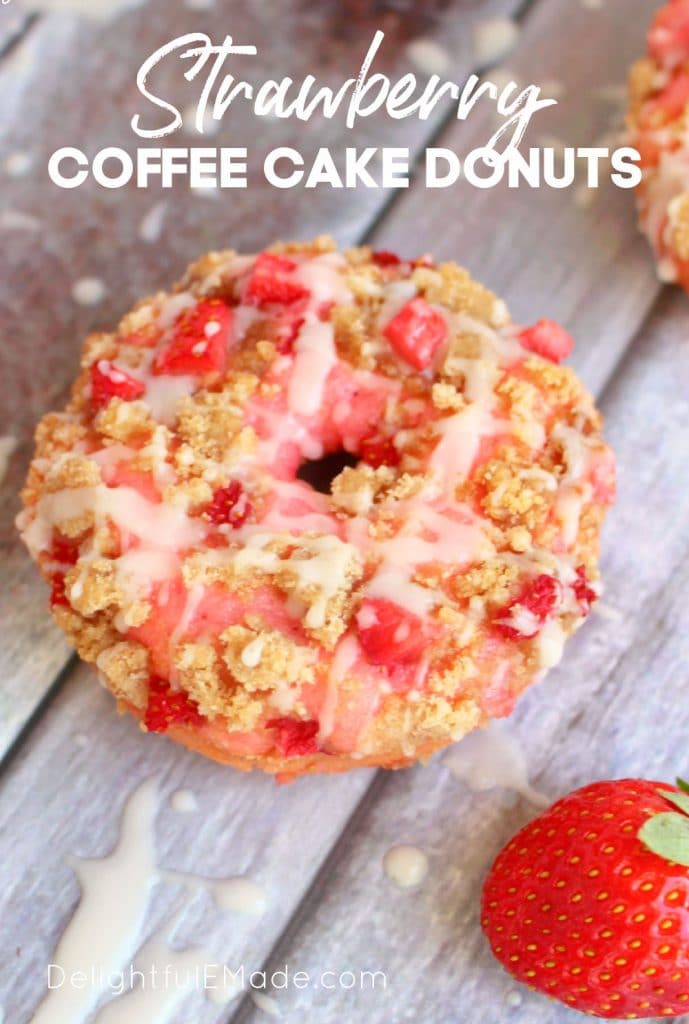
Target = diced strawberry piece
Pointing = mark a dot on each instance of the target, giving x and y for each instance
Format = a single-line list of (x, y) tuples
[(64, 549), (287, 334), (199, 341), (108, 382), (583, 591), (294, 738), (229, 505), (416, 332), (388, 634), (668, 104), (668, 37), (168, 707), (272, 281), (546, 338), (524, 616), (57, 592), (383, 258), (379, 451)]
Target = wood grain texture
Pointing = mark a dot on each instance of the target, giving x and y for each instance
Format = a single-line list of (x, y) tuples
[(325, 839), (72, 82), (616, 707), (63, 794)]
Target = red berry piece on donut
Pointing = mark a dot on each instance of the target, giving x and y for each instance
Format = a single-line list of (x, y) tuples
[(108, 382), (388, 634), (352, 514), (229, 506), (416, 332), (199, 341), (273, 281), (589, 903), (547, 339)]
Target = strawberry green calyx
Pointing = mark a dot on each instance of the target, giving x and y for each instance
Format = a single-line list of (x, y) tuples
[(667, 833)]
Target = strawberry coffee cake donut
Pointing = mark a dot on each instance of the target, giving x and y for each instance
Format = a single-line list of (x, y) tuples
[(659, 126), (314, 510)]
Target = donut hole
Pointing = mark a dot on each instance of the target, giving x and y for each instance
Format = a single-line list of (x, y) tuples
[(320, 473)]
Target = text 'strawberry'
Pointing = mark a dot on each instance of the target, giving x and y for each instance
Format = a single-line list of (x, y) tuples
[(548, 339), (379, 451), (389, 634), (589, 903), (536, 601), (294, 738), (229, 505), (109, 381), (200, 337), (272, 281), (416, 332), (168, 707)]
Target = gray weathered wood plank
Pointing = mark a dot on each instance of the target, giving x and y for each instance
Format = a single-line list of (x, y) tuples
[(94, 232), (63, 795), (545, 254), (615, 707)]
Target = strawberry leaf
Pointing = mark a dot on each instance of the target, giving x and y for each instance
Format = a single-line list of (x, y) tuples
[(681, 784), (667, 835), (680, 800)]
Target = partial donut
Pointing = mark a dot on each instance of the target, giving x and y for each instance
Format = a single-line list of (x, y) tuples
[(313, 510), (658, 123)]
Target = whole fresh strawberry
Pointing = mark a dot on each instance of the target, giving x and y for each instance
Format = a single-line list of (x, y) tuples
[(589, 903)]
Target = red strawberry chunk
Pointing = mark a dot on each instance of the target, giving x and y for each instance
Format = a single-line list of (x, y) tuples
[(379, 451), (64, 550), (57, 593), (524, 617), (229, 505), (547, 339), (416, 332), (287, 333), (668, 37), (109, 381), (583, 591), (295, 738), (383, 258), (668, 104), (168, 707), (272, 280), (388, 634), (199, 341)]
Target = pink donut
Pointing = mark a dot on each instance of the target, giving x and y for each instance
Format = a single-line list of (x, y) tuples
[(315, 510)]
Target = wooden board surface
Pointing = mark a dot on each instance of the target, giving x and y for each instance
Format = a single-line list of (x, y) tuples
[(317, 847)]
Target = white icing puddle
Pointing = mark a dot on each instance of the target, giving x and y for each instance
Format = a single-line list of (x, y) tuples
[(15, 220), (492, 757), (406, 866), (7, 446), (88, 291), (18, 164), (263, 1002), (103, 939), (240, 895), (183, 801), (151, 226), (493, 39), (428, 56)]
